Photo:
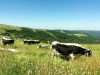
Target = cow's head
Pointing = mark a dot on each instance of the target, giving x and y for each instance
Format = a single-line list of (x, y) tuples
[(88, 52), (54, 45)]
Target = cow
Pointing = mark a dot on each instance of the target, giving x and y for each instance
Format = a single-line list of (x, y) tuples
[(42, 46), (6, 41), (69, 49), (48, 42), (31, 41)]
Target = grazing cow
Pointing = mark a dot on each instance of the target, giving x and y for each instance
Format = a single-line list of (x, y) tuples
[(48, 42), (70, 49), (31, 41), (6, 41), (42, 46)]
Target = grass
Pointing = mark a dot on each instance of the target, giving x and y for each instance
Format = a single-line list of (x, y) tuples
[(79, 35), (32, 61), (9, 27)]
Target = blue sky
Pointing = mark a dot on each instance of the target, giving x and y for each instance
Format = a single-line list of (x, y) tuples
[(51, 14)]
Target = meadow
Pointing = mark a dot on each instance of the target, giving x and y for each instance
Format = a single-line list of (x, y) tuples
[(33, 61)]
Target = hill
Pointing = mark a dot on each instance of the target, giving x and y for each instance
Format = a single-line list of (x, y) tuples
[(90, 32), (45, 35)]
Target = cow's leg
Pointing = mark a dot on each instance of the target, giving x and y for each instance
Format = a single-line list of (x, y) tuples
[(65, 57), (72, 56), (54, 53)]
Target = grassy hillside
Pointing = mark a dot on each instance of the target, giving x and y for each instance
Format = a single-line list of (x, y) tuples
[(90, 32), (29, 60), (33, 61), (45, 35)]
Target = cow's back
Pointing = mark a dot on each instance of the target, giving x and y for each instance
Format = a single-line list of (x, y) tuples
[(7, 41), (67, 48)]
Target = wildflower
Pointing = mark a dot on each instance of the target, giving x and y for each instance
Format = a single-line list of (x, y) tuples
[(90, 73), (2, 64), (29, 72), (87, 66), (81, 68), (84, 72)]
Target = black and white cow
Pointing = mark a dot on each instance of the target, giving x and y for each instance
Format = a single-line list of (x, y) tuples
[(42, 46), (48, 42), (70, 49), (6, 41), (31, 41)]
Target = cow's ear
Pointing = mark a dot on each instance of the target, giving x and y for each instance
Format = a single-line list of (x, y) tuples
[(89, 48)]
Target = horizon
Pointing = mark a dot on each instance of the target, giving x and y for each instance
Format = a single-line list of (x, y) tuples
[(49, 29), (51, 14)]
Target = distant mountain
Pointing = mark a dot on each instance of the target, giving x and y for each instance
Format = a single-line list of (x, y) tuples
[(44, 35)]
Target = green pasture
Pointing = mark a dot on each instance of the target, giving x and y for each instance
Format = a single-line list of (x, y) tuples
[(33, 61)]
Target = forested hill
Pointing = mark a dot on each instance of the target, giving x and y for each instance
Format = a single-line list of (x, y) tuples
[(45, 35)]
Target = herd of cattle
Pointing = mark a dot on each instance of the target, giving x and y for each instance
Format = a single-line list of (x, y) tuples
[(6, 41), (65, 49)]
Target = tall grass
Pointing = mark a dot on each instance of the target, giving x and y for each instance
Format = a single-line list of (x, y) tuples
[(32, 61)]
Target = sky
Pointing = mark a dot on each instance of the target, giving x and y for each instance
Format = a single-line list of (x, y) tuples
[(51, 14)]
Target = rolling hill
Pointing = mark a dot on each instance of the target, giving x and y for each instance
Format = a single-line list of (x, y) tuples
[(91, 32), (44, 35)]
